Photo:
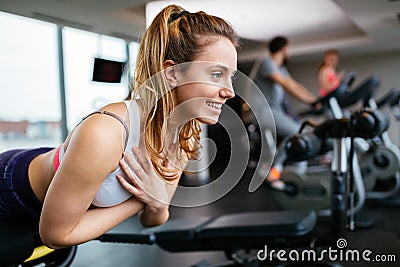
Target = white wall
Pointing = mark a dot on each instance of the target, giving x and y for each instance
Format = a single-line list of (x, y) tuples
[(385, 66)]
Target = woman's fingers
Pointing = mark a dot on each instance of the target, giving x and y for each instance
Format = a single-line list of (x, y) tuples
[(142, 159), (134, 165), (129, 187), (131, 175), (143, 182)]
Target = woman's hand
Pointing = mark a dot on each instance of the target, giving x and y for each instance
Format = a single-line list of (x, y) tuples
[(341, 74), (143, 182)]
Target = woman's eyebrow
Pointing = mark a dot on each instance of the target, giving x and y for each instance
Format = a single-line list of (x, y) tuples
[(224, 68)]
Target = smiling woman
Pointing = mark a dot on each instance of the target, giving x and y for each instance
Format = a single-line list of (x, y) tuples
[(207, 85), (115, 163)]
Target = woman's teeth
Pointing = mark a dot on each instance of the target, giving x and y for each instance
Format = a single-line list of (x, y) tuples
[(214, 105)]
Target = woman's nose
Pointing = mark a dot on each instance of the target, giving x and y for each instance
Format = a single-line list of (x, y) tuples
[(227, 92)]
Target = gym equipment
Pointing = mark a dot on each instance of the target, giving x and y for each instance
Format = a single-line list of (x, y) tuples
[(248, 230), (308, 188), (282, 229), (233, 232), (20, 245), (229, 233), (391, 98), (381, 162), (392, 101)]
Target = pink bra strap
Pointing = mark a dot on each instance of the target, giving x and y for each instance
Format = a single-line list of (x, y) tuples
[(56, 161)]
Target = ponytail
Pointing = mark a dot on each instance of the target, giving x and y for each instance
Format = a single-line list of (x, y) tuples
[(177, 35)]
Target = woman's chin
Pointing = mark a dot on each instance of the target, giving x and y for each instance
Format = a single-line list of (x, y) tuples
[(209, 121)]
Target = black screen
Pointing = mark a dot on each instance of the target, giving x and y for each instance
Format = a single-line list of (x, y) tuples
[(107, 71)]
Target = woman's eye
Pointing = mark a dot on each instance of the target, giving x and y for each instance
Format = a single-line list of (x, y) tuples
[(217, 75)]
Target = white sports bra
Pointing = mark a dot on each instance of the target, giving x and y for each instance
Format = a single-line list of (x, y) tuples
[(111, 192)]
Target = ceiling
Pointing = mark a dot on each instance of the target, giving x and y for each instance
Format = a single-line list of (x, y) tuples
[(353, 26)]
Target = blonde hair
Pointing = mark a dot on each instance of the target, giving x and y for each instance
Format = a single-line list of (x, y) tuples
[(174, 35)]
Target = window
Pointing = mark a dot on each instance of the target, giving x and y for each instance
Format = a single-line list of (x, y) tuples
[(30, 111), (30, 102), (84, 96)]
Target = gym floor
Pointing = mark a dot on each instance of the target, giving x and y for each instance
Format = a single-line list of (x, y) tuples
[(383, 238)]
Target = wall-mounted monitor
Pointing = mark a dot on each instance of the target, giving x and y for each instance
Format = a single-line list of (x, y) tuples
[(107, 71)]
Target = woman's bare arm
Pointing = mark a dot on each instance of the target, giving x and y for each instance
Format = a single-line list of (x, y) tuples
[(148, 187), (93, 152)]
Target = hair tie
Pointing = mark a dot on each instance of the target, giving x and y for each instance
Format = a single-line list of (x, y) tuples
[(175, 16)]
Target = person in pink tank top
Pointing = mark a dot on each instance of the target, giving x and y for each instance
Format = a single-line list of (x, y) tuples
[(328, 78)]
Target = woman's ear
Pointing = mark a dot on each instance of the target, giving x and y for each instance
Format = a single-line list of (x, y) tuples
[(170, 73)]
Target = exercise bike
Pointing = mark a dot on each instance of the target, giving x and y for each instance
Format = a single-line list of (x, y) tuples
[(379, 161), (307, 186), (232, 233), (392, 102)]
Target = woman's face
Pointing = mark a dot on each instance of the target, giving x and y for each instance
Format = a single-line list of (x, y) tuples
[(332, 59), (205, 84)]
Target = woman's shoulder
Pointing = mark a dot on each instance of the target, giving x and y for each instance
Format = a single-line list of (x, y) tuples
[(325, 69), (101, 126), (118, 108)]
